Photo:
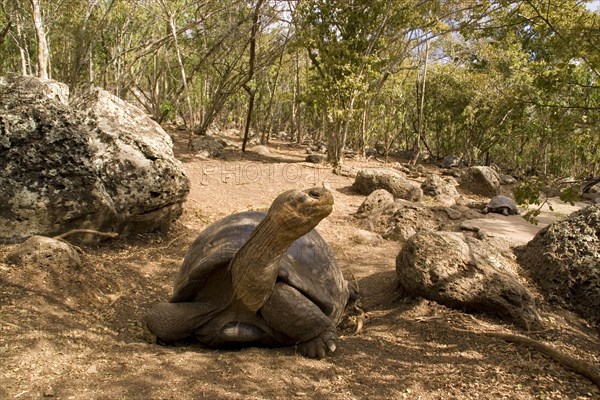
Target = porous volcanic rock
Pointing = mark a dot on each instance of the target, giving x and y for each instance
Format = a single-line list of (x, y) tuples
[(44, 252), (370, 179), (563, 259), (97, 163), (376, 202), (480, 180), (461, 271), (208, 146), (399, 219), (435, 185)]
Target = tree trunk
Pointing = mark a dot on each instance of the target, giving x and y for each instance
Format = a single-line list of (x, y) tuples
[(421, 126), (5, 31), (42, 45), (190, 112), (251, 91), (266, 135), (337, 144), (363, 130), (296, 124), (22, 50)]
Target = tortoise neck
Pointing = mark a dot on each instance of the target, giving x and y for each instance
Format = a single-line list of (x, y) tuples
[(255, 266)]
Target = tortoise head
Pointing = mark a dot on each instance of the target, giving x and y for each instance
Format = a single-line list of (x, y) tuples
[(255, 266), (299, 211)]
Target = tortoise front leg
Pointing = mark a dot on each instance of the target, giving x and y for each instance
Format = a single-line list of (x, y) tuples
[(288, 311), (169, 322)]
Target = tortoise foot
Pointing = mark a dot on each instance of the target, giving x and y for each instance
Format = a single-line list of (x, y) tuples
[(319, 346), (147, 334)]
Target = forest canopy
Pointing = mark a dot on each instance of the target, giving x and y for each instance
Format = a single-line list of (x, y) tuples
[(513, 83)]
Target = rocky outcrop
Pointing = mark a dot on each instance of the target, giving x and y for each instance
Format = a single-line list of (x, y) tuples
[(368, 180), (96, 162), (483, 181), (464, 272), (563, 259)]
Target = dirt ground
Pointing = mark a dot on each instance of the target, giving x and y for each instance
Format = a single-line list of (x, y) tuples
[(76, 334)]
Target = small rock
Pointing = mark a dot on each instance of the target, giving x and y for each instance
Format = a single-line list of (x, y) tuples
[(344, 170), (362, 236), (314, 158), (49, 392), (261, 149), (42, 252), (92, 369), (468, 226)]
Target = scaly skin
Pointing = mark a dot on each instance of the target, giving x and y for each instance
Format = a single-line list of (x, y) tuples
[(255, 266)]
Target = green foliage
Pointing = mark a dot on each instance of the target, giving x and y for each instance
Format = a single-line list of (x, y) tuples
[(514, 83), (530, 193), (168, 110)]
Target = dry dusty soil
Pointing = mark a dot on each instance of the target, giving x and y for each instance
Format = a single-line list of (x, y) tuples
[(76, 333)]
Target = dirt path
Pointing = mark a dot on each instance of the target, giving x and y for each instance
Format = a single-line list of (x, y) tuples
[(75, 334)]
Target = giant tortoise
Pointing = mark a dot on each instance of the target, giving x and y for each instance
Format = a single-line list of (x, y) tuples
[(502, 205), (257, 278)]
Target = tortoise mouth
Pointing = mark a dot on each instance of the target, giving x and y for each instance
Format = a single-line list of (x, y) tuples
[(322, 211)]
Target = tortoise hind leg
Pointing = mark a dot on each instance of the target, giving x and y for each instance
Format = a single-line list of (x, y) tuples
[(288, 311), (170, 322)]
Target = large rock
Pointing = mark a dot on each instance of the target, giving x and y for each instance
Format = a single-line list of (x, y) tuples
[(395, 220), (563, 259), (462, 271), (376, 202), (368, 180), (435, 185), (450, 161), (483, 181), (99, 163)]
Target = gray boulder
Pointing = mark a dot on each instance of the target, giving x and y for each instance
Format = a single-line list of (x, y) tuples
[(450, 161), (208, 146), (464, 272), (97, 163), (368, 180), (483, 181), (397, 220), (376, 202), (435, 185), (590, 190), (563, 259)]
